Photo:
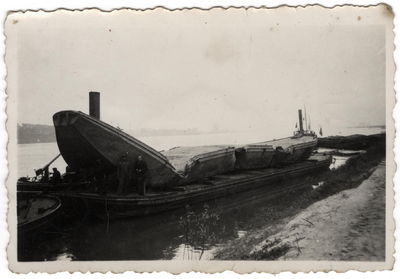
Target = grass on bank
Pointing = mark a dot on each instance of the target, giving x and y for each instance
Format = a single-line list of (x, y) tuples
[(269, 220)]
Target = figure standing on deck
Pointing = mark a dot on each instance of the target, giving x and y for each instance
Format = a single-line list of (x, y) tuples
[(56, 176), (141, 174), (100, 178), (45, 176), (124, 174)]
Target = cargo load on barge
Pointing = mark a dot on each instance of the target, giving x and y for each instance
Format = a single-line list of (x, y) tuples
[(195, 163), (254, 156), (293, 149)]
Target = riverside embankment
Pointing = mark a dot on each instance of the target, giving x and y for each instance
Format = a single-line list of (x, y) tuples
[(344, 219)]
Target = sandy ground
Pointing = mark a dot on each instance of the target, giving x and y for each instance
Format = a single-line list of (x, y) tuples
[(347, 226)]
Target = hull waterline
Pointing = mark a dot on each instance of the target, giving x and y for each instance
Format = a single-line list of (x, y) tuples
[(112, 206)]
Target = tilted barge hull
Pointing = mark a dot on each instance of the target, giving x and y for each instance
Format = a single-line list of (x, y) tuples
[(291, 150), (254, 156), (200, 162), (94, 146), (112, 206)]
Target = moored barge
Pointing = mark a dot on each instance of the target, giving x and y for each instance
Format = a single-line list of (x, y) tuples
[(113, 206)]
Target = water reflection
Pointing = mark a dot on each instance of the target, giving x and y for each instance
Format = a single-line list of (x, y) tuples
[(157, 237), (65, 257), (338, 161)]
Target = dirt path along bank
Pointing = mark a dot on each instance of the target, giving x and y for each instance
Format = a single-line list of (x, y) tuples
[(347, 226)]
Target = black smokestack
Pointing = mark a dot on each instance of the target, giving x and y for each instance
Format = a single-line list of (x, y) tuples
[(301, 121), (94, 104)]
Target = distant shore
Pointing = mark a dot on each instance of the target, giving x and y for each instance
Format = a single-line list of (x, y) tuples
[(38, 133)]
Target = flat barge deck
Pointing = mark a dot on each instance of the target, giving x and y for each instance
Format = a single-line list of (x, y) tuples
[(131, 205)]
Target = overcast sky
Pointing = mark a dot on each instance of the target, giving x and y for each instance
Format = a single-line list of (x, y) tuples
[(177, 70)]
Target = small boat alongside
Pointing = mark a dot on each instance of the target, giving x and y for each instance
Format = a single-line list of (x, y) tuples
[(35, 212)]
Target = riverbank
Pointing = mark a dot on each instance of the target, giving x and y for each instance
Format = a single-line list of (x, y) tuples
[(344, 219), (348, 226)]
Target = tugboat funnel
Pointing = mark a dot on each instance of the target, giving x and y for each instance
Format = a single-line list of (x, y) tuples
[(301, 121), (94, 104)]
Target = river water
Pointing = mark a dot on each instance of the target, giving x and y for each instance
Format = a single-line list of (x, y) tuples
[(35, 156), (158, 237)]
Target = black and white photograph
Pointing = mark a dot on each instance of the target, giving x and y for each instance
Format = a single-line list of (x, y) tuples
[(200, 138)]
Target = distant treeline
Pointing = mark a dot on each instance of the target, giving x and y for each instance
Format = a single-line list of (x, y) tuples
[(163, 132), (353, 142), (35, 133), (370, 126)]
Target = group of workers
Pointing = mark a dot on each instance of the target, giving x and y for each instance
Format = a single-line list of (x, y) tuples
[(124, 174), (56, 177)]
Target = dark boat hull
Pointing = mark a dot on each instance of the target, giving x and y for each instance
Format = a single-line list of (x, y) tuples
[(112, 206), (89, 144), (50, 187), (37, 216)]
